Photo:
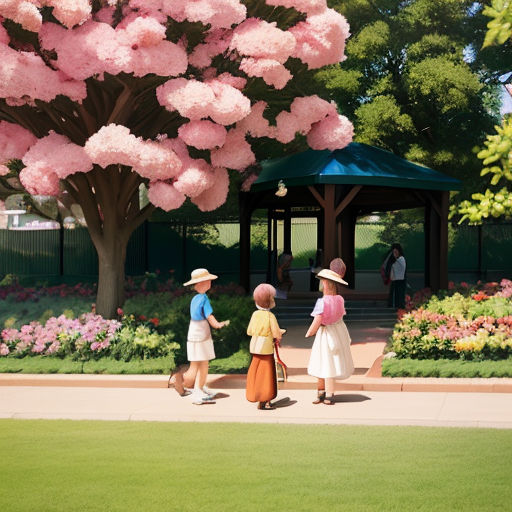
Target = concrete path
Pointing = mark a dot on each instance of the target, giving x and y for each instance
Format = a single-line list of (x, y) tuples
[(364, 399), (352, 408)]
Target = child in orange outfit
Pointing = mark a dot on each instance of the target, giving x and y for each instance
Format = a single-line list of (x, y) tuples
[(264, 331)]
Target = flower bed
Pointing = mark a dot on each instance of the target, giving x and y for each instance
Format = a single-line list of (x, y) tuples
[(153, 325), (87, 337), (473, 326)]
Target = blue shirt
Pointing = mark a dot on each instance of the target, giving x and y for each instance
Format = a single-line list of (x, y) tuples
[(200, 307)]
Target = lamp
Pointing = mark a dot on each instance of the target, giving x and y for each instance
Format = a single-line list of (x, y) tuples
[(281, 189)]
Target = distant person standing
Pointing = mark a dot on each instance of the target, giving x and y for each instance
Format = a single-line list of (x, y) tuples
[(397, 277), (284, 281)]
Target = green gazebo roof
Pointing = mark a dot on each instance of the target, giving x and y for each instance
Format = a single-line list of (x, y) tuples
[(357, 164)]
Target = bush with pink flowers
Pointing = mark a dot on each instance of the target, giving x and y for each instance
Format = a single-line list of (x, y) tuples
[(89, 336), (473, 326)]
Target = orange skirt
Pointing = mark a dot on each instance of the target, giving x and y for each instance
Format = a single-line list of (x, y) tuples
[(261, 379)]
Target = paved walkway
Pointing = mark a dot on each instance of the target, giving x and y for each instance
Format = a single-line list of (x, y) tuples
[(364, 399), (491, 410)]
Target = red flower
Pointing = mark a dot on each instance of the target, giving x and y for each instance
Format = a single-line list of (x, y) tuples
[(119, 311), (142, 317), (154, 321)]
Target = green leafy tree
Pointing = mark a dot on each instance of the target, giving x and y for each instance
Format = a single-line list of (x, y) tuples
[(496, 201), (415, 81)]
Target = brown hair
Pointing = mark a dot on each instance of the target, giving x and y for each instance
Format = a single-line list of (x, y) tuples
[(263, 295)]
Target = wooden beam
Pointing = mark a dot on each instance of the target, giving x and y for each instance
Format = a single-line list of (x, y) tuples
[(347, 199), (317, 196), (434, 203), (330, 234)]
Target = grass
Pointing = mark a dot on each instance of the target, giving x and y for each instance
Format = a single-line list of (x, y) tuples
[(134, 466), (445, 368), (105, 365)]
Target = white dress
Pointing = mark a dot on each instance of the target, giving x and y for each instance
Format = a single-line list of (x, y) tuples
[(330, 355)]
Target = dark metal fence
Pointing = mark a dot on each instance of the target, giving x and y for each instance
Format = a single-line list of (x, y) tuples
[(181, 247)]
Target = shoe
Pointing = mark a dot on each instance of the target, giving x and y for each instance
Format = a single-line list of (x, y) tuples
[(177, 383), (209, 392), (266, 406), (329, 400), (320, 397), (201, 400), (198, 398)]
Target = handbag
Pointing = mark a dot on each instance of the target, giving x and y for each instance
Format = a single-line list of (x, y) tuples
[(262, 345)]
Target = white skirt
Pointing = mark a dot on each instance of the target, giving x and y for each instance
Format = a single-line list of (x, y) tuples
[(199, 341), (330, 355)]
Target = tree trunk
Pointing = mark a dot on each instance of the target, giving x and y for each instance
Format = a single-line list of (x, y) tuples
[(111, 264)]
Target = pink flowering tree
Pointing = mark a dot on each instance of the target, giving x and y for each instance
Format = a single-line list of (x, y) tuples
[(105, 102)]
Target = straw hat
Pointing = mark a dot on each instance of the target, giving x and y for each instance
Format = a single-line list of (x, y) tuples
[(198, 275), (331, 276)]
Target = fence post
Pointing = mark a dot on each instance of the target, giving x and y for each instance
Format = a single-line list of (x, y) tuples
[(61, 249)]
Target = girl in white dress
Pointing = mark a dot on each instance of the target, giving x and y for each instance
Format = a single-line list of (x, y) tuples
[(330, 356)]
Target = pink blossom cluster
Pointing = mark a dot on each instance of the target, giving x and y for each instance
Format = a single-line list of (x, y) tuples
[(87, 330), (14, 141), (52, 158), (321, 39), (216, 13), (193, 99), (114, 144), (94, 48), (25, 77)]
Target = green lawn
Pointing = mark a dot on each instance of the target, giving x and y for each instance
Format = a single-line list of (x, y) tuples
[(142, 466), (446, 368)]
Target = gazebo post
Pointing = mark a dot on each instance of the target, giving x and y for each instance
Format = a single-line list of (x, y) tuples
[(287, 231), (348, 245), (436, 240), (245, 240), (269, 245), (330, 231)]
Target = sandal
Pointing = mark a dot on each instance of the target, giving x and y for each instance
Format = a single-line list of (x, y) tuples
[(266, 406), (320, 397), (178, 383), (329, 400)]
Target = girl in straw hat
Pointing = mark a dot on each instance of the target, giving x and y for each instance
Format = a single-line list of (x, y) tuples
[(330, 356), (199, 339)]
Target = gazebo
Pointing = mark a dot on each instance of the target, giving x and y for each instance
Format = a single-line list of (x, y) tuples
[(340, 186)]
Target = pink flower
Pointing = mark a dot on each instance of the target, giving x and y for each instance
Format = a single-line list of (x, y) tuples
[(217, 13), (23, 12), (119, 311), (260, 39), (26, 77), (70, 12), (216, 195), (321, 39), (165, 196), (255, 124), (334, 132), (272, 71), (203, 134), (114, 144), (58, 153), (235, 154), (14, 141), (196, 177)]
